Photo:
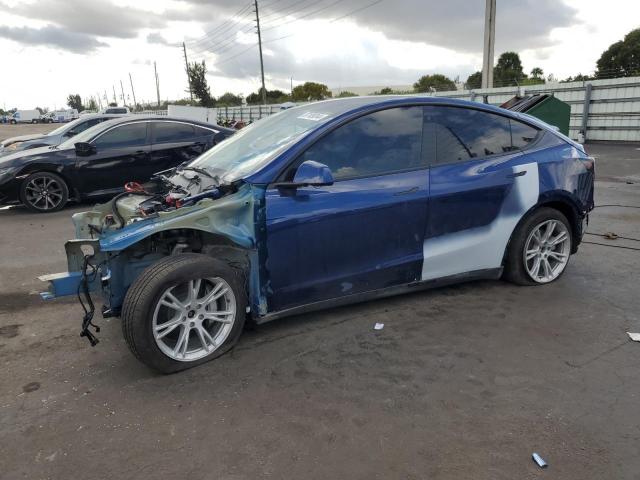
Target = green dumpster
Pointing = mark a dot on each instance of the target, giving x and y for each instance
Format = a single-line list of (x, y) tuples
[(545, 107)]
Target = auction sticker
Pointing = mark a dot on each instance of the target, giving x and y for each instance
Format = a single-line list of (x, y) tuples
[(313, 116)]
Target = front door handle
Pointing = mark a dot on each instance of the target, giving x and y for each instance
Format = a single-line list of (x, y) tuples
[(406, 192)]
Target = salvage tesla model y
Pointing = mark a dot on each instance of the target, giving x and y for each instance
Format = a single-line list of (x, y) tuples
[(325, 204)]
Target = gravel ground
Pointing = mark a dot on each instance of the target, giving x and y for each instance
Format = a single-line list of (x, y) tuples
[(463, 382)]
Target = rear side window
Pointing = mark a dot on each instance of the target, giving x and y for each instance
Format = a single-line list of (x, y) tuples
[(130, 135), (201, 132), (462, 134), (166, 132), (521, 134), (381, 142)]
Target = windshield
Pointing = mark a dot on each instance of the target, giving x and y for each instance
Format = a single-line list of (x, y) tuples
[(67, 126), (254, 146), (88, 134)]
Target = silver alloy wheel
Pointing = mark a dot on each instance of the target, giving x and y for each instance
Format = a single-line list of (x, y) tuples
[(192, 319), (44, 193), (546, 251)]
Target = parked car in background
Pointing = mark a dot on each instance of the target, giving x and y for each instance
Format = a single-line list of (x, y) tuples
[(327, 204), (59, 116), (118, 110), (100, 160), (25, 116), (55, 137)]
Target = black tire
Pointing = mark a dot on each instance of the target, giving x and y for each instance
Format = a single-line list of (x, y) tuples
[(148, 289), (34, 120), (59, 196), (13, 122), (514, 265)]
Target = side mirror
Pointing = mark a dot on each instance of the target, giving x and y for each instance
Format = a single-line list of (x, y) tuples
[(310, 174), (84, 149)]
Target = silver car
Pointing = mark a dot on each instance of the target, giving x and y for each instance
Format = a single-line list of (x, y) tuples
[(55, 137)]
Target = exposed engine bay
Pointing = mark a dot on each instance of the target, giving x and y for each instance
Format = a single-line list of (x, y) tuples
[(167, 191)]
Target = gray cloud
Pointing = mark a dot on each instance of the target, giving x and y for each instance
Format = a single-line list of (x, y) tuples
[(157, 38), (98, 18), (457, 24), (52, 36), (362, 70)]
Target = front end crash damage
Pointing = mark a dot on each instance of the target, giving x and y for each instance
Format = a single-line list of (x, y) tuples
[(107, 258)]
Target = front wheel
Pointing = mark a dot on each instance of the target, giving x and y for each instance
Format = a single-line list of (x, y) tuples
[(183, 311), (539, 249), (44, 192)]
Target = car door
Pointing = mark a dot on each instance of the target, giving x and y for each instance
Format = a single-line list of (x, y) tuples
[(480, 186), (363, 233), (173, 143), (122, 154)]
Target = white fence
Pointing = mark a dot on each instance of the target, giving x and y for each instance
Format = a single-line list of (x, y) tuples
[(612, 107)]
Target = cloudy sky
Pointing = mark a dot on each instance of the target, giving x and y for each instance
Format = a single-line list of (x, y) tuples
[(50, 48)]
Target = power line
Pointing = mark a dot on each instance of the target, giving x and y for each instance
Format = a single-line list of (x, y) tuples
[(226, 25)]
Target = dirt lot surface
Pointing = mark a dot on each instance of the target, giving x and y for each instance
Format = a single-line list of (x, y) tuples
[(7, 130), (463, 382)]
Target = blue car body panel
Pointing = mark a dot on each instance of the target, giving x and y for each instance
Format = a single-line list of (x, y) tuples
[(309, 245)]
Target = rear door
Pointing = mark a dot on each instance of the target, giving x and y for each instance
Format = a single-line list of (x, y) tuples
[(480, 186), (123, 154), (174, 143), (365, 232)]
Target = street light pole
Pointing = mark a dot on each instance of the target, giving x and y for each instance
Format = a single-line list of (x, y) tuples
[(489, 42)]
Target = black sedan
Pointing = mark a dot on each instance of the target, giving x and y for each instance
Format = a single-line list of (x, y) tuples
[(100, 160)]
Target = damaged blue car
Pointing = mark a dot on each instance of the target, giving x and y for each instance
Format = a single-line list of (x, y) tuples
[(328, 204)]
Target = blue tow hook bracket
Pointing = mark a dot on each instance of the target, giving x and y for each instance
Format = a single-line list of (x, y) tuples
[(62, 284)]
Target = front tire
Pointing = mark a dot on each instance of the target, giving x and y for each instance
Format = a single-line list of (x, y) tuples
[(539, 249), (44, 192), (183, 311)]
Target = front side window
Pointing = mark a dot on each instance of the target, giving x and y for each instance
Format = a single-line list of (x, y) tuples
[(130, 135), (166, 132), (374, 144), (463, 134)]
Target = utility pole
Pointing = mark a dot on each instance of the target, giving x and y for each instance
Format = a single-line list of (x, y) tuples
[(264, 90), (186, 66), (124, 101), (115, 100), (157, 83), (489, 42), (135, 104)]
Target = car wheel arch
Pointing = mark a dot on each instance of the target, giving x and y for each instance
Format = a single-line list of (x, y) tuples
[(560, 202), (45, 168)]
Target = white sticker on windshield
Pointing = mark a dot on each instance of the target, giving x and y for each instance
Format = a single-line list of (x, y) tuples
[(314, 117)]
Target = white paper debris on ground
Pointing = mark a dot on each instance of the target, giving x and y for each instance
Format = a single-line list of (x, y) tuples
[(378, 326), (634, 336)]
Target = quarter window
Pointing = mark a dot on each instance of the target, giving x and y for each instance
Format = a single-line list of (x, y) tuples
[(166, 132), (462, 134), (381, 142), (521, 134), (130, 135)]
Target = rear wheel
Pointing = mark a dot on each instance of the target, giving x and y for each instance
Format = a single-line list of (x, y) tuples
[(183, 311), (44, 192), (34, 121), (539, 249)]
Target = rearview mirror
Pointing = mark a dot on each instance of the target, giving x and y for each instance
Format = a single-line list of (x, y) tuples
[(84, 149), (310, 174)]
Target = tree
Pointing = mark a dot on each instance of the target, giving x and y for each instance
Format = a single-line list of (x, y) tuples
[(199, 86), (92, 105), (273, 96), (537, 73), (74, 101), (508, 71), (229, 100), (578, 78), (346, 94), (310, 91), (437, 82), (474, 80), (621, 58)]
